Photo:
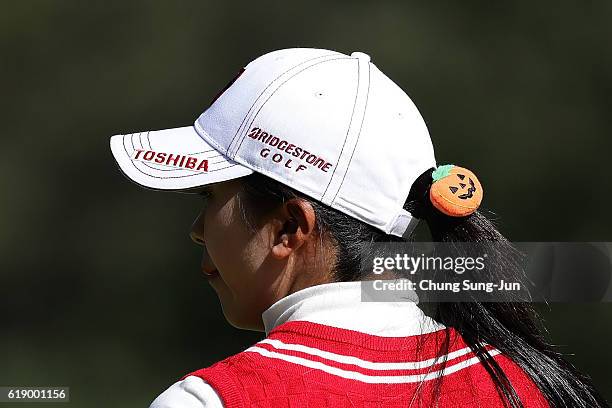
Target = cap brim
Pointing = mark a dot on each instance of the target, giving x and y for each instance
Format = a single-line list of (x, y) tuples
[(173, 159)]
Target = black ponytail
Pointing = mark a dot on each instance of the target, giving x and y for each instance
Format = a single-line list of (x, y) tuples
[(512, 327)]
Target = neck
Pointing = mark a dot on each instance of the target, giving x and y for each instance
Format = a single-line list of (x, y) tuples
[(341, 304)]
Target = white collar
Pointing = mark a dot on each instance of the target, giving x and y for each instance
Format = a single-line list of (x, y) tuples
[(339, 305)]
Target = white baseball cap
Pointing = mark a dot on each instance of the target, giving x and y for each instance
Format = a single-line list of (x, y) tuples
[(329, 125)]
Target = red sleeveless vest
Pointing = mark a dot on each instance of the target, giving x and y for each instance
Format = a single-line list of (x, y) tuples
[(303, 364)]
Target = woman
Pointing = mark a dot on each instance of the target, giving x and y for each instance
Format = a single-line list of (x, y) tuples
[(304, 157)]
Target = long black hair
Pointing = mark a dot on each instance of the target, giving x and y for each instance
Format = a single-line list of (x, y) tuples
[(514, 328)]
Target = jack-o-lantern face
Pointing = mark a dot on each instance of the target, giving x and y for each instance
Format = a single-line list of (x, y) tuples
[(456, 191)]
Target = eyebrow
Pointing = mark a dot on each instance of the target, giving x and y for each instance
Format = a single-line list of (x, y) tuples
[(205, 190)]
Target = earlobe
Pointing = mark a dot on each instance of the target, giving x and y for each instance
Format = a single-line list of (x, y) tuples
[(287, 240), (283, 248)]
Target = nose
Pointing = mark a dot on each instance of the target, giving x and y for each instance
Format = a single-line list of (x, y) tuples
[(197, 235), (197, 230)]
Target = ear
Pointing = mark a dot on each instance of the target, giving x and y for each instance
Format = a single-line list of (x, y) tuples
[(297, 224)]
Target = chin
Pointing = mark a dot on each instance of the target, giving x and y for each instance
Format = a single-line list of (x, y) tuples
[(241, 321)]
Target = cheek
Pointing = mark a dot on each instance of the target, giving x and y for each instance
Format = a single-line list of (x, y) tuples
[(231, 248), (239, 256), (220, 240)]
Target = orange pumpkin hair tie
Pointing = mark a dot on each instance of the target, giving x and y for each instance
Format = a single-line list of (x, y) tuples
[(455, 191)]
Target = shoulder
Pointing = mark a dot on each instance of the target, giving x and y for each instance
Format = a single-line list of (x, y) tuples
[(190, 392), (523, 384), (472, 377)]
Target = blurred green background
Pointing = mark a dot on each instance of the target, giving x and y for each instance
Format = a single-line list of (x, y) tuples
[(99, 282)]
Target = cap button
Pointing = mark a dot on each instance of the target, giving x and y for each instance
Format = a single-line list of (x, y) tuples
[(361, 55)]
